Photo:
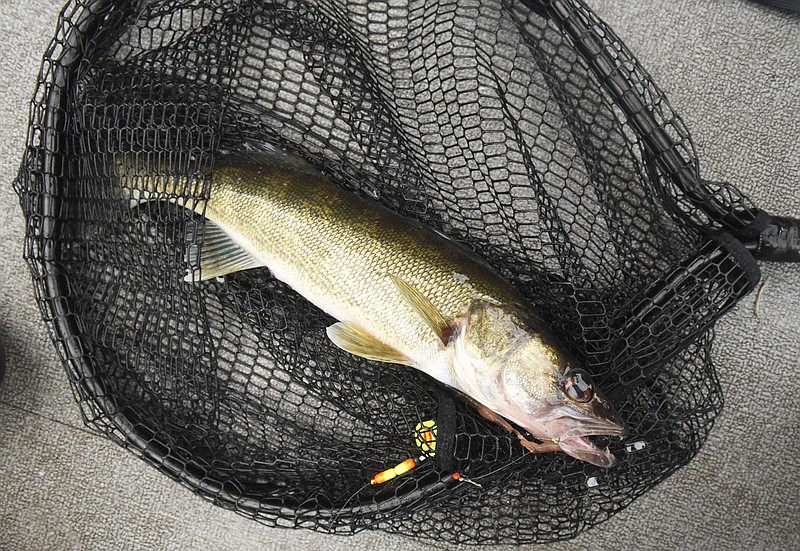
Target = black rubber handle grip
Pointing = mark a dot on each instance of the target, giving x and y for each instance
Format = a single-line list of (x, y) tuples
[(779, 242)]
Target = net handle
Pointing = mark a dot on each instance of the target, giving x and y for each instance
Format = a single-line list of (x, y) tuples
[(779, 242)]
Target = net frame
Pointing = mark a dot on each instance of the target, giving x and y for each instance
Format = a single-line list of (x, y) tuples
[(715, 275)]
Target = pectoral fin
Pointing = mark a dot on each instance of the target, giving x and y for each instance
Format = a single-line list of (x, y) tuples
[(426, 310), (355, 340), (218, 255)]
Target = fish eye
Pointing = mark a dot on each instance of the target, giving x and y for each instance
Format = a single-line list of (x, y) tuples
[(578, 386)]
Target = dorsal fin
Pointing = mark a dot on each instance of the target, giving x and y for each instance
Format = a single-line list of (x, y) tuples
[(218, 254)]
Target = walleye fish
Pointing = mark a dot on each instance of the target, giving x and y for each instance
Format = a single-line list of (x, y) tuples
[(401, 292)]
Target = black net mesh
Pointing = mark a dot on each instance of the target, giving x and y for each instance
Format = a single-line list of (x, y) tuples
[(525, 130)]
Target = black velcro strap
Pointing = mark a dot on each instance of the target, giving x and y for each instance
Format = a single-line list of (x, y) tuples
[(446, 431)]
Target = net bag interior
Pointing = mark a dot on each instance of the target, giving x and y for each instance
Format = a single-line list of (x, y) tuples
[(525, 130)]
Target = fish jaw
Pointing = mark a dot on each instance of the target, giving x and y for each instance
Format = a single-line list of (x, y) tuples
[(582, 448), (570, 428)]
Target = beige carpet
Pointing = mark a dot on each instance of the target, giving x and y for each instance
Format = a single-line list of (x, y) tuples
[(730, 67)]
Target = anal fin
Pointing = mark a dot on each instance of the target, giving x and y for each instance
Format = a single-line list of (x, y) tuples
[(218, 255), (358, 342)]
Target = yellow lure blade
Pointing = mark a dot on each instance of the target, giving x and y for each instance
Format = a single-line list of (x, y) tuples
[(425, 437)]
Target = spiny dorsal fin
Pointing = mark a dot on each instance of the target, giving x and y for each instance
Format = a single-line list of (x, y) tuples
[(218, 254), (355, 340), (426, 310)]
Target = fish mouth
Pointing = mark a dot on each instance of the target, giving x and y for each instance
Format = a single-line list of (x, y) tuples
[(575, 442), (582, 448), (571, 429)]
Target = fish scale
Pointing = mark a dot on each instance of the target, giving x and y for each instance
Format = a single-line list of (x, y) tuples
[(338, 251)]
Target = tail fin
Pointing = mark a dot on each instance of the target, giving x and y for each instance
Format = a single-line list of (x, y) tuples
[(142, 177)]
